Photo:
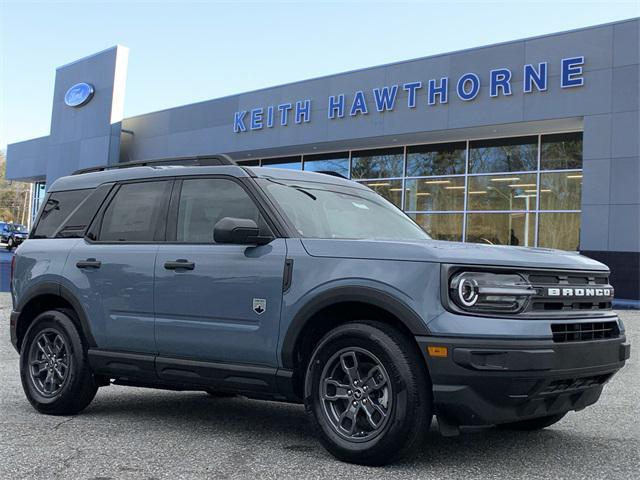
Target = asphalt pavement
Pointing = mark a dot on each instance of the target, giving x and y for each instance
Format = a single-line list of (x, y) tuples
[(135, 433)]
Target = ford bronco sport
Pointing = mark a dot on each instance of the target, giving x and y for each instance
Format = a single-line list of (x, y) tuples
[(302, 287)]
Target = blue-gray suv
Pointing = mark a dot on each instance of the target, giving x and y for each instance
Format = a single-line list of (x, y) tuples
[(302, 287)]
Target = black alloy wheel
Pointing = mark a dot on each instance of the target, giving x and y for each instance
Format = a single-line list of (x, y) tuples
[(368, 393), (356, 394), (48, 362), (54, 368)]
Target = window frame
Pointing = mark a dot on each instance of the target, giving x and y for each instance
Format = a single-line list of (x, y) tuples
[(93, 231), (34, 228), (174, 204)]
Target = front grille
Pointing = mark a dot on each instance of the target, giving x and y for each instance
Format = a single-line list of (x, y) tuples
[(579, 292), (584, 331), (569, 384)]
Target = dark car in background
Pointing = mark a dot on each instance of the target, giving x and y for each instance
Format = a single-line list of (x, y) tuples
[(13, 234)]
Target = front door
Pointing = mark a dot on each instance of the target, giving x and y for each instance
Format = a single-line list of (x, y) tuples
[(216, 302)]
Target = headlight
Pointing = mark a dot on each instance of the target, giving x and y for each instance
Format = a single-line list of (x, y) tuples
[(490, 292)]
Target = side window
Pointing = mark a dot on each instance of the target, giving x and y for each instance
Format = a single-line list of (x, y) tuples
[(203, 202), (56, 210), (135, 212), (77, 223)]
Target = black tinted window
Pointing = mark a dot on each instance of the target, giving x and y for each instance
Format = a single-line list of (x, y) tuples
[(135, 212), (204, 202), (77, 223), (56, 210)]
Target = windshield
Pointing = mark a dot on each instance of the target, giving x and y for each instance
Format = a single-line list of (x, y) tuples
[(18, 228), (320, 210)]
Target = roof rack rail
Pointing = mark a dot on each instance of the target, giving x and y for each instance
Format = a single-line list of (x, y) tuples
[(197, 161)]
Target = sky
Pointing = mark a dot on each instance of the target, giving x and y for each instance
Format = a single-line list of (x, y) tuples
[(183, 52)]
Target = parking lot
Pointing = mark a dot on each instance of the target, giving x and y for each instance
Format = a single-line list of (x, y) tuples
[(147, 434)]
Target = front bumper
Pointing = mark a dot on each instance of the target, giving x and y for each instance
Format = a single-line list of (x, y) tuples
[(486, 382)]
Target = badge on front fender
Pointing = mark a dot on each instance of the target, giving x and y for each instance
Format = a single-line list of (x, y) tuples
[(259, 305)]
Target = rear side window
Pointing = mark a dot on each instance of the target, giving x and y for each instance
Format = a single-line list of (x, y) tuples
[(136, 212), (57, 209), (77, 223)]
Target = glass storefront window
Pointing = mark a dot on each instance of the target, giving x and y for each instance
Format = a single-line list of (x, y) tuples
[(441, 226), (389, 189), (249, 163), (502, 228), (502, 192), (560, 191), (559, 230), (442, 193), (291, 163), (517, 154), (561, 151), (328, 162), (437, 159), (381, 163)]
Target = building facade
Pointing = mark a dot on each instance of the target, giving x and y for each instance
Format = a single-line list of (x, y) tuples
[(533, 142)]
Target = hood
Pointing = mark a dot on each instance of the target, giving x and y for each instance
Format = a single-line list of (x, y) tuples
[(451, 252)]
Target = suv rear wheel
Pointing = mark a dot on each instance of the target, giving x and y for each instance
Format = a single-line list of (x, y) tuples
[(54, 369), (368, 394)]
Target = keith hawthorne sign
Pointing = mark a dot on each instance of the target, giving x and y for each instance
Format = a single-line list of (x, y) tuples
[(433, 92)]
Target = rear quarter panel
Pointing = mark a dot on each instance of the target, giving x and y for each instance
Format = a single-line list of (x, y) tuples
[(38, 262)]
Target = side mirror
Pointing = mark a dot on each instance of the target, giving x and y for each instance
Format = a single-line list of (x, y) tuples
[(242, 231)]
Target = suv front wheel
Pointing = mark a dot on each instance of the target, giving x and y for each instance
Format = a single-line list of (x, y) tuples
[(54, 369), (368, 393)]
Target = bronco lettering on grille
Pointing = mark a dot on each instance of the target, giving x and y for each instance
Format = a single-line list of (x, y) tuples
[(579, 292)]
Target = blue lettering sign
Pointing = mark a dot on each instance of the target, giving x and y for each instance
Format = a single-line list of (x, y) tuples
[(537, 77), (303, 111), (464, 93), (467, 87), (572, 72), (359, 104), (441, 91), (284, 113), (256, 118), (385, 98), (336, 106), (238, 122), (411, 88), (500, 78)]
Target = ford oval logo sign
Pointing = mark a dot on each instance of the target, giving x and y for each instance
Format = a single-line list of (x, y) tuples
[(79, 94)]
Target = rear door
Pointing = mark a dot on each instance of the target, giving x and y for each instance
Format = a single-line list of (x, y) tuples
[(111, 269), (225, 305)]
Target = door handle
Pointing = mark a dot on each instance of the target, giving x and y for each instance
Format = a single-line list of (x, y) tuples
[(89, 263), (180, 264)]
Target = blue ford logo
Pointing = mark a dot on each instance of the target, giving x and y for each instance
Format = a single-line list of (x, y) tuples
[(79, 94)]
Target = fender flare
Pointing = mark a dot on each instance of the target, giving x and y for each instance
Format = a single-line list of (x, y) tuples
[(360, 294), (53, 288)]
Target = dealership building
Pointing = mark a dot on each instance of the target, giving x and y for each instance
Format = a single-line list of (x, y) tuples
[(533, 142)]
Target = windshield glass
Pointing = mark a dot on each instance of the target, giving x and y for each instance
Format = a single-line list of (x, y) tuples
[(320, 210), (18, 228)]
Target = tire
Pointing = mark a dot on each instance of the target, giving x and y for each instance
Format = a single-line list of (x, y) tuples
[(54, 368), (391, 415), (10, 244), (533, 423)]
